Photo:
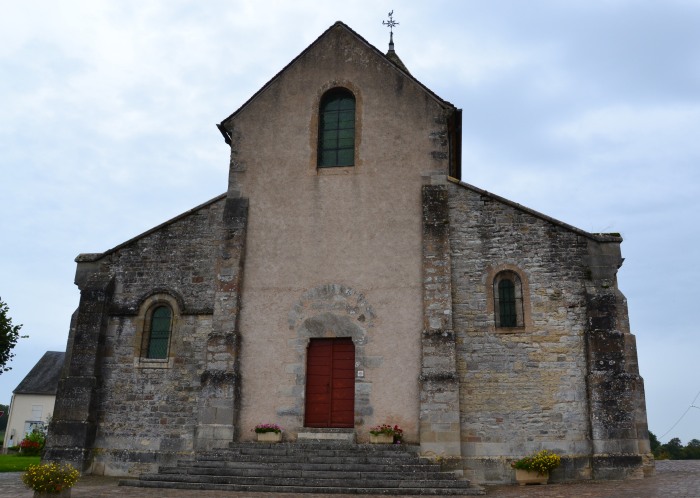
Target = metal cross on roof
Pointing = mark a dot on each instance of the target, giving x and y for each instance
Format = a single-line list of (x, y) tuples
[(391, 24)]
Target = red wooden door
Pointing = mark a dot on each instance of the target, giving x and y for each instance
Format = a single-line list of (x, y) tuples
[(330, 383)]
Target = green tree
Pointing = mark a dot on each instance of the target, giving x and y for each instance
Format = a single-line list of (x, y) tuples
[(5, 415), (692, 450), (9, 335), (674, 448), (654, 442)]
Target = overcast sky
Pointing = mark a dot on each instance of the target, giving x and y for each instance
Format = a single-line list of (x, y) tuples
[(588, 111)]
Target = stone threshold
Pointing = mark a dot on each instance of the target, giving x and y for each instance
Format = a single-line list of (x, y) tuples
[(325, 435)]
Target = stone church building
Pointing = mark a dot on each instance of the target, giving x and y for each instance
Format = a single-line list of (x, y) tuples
[(348, 277)]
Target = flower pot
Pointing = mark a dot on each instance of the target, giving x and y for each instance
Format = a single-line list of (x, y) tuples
[(381, 438), (269, 437), (530, 477), (63, 494)]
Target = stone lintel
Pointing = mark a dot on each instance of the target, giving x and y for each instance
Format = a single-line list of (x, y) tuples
[(311, 435)]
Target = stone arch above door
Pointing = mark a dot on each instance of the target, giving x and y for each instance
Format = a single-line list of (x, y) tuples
[(332, 311), (334, 298)]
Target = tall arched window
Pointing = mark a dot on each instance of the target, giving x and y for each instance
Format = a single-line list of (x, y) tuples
[(159, 333), (336, 129), (508, 300), (506, 303)]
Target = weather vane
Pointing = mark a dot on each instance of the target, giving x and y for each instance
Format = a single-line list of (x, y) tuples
[(391, 23)]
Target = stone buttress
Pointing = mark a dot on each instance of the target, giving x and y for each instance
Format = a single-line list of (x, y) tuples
[(439, 384)]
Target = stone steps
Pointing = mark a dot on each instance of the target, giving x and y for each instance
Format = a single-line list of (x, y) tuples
[(297, 466), (304, 472), (296, 490), (323, 481), (321, 467)]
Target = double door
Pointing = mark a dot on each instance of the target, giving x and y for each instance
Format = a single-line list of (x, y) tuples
[(330, 383)]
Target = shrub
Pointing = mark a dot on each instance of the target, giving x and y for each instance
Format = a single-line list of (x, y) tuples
[(33, 443), (50, 477)]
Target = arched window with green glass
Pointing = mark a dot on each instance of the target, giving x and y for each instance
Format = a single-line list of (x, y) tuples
[(336, 129), (508, 297), (159, 333)]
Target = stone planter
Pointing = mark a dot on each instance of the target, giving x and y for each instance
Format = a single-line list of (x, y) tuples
[(269, 437), (381, 439), (63, 494), (530, 477)]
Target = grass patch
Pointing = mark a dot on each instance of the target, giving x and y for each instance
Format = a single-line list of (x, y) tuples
[(17, 463)]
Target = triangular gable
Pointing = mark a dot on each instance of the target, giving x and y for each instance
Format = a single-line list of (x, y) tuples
[(360, 39), (88, 257), (598, 237)]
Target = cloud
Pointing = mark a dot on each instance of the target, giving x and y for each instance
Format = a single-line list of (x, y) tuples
[(636, 132)]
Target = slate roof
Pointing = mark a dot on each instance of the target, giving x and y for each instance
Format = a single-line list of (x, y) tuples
[(44, 377)]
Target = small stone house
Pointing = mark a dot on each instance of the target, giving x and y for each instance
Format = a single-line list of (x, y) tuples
[(349, 277)]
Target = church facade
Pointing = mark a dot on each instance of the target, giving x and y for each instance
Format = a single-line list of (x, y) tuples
[(348, 278)]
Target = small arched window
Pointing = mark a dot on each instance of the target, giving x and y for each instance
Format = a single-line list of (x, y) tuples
[(336, 129), (159, 333), (508, 300)]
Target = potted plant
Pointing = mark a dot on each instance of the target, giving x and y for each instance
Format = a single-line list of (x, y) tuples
[(269, 433), (535, 469), (385, 434), (51, 479)]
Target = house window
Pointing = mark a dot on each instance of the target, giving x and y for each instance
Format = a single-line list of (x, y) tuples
[(37, 412), (159, 333), (336, 129), (508, 300)]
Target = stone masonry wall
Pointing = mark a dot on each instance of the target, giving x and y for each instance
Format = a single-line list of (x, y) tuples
[(522, 389), (177, 257), (146, 411)]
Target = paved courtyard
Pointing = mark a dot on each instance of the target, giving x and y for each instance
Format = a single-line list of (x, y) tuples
[(679, 478)]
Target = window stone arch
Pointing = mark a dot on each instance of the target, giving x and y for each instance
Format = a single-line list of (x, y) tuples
[(508, 299), (157, 314)]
